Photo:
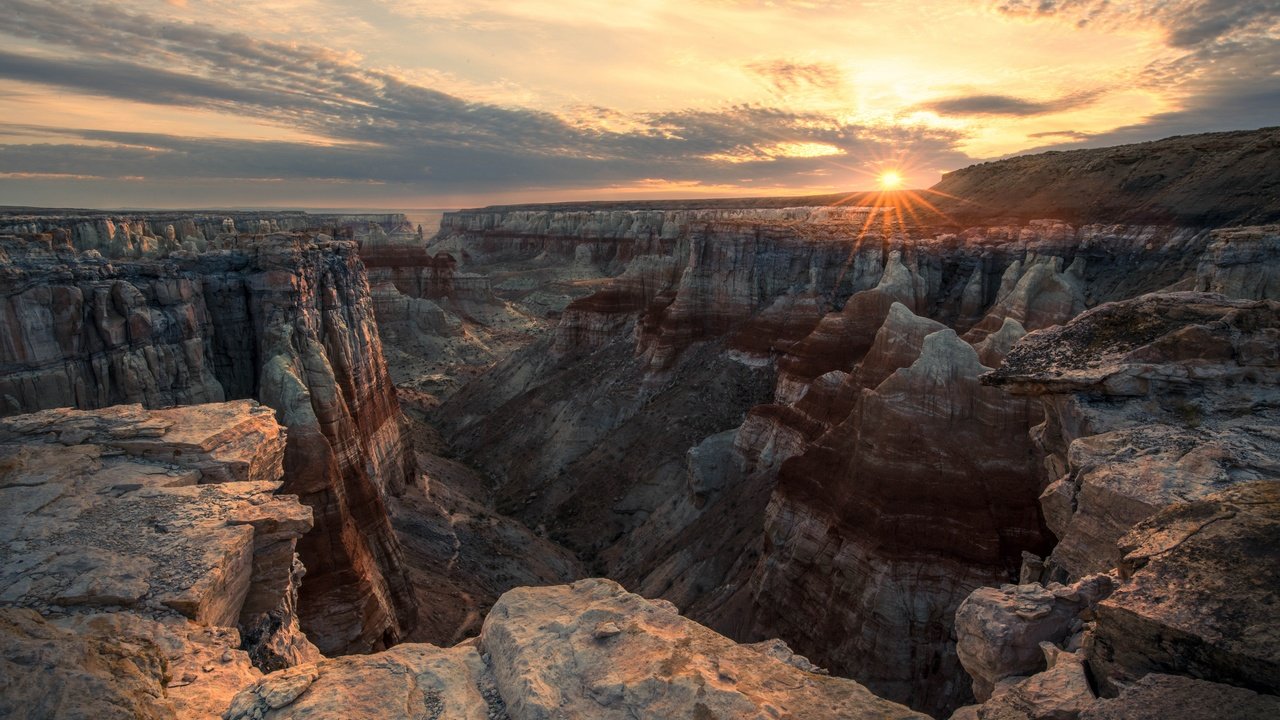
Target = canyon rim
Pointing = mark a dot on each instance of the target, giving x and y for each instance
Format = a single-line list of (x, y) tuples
[(872, 378)]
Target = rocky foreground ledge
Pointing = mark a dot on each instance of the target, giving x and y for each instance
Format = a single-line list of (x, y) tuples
[(146, 563), (586, 650)]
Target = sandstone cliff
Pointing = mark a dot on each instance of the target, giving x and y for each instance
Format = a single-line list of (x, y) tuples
[(286, 319), (144, 552)]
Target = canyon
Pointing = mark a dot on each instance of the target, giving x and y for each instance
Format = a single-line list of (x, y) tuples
[(973, 452)]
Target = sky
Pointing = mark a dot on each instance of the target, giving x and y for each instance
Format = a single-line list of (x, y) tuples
[(458, 103)]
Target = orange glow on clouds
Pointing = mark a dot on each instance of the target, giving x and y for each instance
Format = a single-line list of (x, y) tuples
[(878, 95)]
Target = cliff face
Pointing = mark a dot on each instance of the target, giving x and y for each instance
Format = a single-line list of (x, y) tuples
[(287, 319)]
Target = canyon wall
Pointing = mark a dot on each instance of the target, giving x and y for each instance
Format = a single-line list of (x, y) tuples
[(284, 318), (773, 417), (984, 463), (143, 234)]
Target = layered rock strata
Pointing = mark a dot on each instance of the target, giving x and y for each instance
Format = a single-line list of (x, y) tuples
[(146, 563), (599, 426), (287, 319), (156, 234)]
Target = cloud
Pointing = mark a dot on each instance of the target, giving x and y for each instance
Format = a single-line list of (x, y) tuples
[(1188, 23), (1068, 134), (1221, 69), (1008, 105), (370, 123), (382, 127), (786, 76)]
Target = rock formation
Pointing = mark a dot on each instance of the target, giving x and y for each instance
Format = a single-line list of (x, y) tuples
[(142, 550), (1159, 433), (586, 650), (981, 462), (286, 319), (1228, 178), (736, 502)]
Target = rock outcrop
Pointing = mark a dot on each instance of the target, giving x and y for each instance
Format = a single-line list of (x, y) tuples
[(1185, 607), (846, 518), (588, 650), (1162, 399), (1160, 434), (1002, 633), (286, 319), (147, 567), (1208, 179), (1163, 696), (117, 665), (618, 423)]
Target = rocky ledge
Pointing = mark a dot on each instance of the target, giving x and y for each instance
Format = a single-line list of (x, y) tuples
[(146, 563), (586, 650), (1159, 444), (148, 570), (285, 318)]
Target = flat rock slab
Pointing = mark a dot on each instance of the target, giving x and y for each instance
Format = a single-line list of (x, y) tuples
[(220, 442), (416, 681), (1160, 697), (98, 510), (1201, 594)]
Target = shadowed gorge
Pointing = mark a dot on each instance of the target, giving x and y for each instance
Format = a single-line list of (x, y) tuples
[(1004, 448)]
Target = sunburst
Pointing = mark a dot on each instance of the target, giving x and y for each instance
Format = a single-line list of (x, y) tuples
[(890, 180)]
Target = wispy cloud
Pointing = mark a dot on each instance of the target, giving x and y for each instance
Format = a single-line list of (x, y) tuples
[(383, 127), (1220, 68), (1007, 105), (786, 76)]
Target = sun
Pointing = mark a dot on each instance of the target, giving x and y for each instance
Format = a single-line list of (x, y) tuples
[(890, 180)]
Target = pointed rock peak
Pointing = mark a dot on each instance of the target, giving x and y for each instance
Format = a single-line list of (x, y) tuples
[(944, 356), (1077, 267), (831, 380), (1011, 329), (897, 344), (900, 319), (994, 347), (896, 273)]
